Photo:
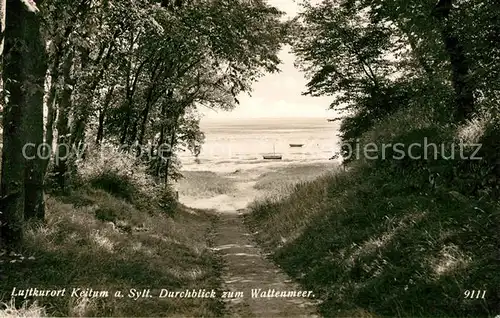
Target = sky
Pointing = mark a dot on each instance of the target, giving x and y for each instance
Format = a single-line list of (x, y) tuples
[(279, 94)]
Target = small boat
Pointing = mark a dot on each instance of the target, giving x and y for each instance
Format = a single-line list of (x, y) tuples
[(331, 119), (274, 156), (296, 145)]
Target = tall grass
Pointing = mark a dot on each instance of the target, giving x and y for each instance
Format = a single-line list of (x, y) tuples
[(113, 233), (27, 309), (282, 182), (98, 241), (204, 184), (381, 240)]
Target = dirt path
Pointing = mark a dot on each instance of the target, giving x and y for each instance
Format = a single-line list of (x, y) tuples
[(247, 269)]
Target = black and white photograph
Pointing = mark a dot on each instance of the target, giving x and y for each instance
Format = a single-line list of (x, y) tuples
[(250, 158)]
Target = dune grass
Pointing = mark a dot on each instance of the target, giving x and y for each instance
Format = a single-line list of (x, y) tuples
[(283, 181), (204, 184), (380, 241), (368, 245), (94, 239)]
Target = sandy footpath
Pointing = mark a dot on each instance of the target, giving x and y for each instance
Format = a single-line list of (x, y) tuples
[(246, 268)]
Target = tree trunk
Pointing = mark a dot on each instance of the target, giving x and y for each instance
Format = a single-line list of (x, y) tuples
[(51, 105), (54, 90), (171, 150), (2, 99), (102, 115), (159, 161), (178, 112), (144, 115), (464, 94), (36, 70), (82, 113), (131, 88), (149, 100), (128, 115), (63, 145), (133, 133), (22, 68), (2, 31)]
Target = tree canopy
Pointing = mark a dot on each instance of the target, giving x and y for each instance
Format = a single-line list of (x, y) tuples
[(124, 73)]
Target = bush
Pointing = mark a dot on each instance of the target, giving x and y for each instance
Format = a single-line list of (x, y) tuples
[(122, 175), (168, 201), (115, 184), (481, 177)]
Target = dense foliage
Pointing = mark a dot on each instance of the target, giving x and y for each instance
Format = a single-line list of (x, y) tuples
[(398, 236), (131, 74), (377, 56)]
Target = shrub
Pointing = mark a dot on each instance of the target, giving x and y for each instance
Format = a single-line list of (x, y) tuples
[(122, 175), (115, 184)]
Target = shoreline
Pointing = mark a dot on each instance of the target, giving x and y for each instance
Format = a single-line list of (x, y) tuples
[(231, 190)]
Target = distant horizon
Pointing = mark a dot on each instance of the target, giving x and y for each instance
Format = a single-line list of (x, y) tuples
[(264, 118), (278, 94)]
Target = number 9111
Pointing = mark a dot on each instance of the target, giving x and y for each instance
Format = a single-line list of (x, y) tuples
[(474, 294)]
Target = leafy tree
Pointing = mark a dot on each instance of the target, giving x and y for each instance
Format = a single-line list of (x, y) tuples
[(126, 72), (23, 77)]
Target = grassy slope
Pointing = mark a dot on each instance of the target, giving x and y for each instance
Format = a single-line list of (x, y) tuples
[(375, 241), (204, 184), (96, 240), (281, 182)]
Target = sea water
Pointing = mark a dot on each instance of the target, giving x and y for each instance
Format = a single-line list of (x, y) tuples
[(230, 169), (241, 143)]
